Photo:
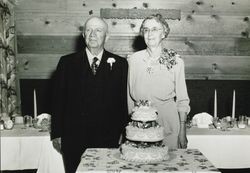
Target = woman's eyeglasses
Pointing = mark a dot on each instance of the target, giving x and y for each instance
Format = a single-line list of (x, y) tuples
[(153, 30)]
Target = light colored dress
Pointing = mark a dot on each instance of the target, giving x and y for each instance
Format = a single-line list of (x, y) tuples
[(164, 88)]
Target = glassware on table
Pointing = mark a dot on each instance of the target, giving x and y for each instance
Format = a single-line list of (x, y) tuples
[(248, 121), (1, 124), (18, 119), (28, 121), (242, 122), (233, 123)]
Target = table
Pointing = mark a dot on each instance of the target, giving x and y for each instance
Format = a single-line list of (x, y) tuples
[(225, 149), (27, 148), (108, 160), (30, 149)]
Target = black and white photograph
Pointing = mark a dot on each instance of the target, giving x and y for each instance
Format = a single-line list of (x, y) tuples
[(124, 86)]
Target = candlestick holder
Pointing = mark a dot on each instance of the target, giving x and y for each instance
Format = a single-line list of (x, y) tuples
[(216, 122), (35, 124), (233, 123)]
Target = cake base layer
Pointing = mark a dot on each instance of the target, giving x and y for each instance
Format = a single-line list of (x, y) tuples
[(144, 155)]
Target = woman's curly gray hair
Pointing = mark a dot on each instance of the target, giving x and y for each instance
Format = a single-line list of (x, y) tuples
[(158, 18)]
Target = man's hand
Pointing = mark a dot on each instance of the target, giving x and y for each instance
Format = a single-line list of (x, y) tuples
[(57, 144)]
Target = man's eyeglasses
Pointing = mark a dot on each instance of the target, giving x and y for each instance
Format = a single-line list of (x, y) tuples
[(153, 30)]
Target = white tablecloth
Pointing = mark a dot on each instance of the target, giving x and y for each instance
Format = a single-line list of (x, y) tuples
[(29, 149), (225, 149)]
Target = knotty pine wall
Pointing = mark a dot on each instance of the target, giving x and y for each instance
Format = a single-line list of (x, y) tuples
[(212, 37)]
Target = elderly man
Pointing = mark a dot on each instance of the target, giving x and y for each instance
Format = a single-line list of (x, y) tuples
[(90, 97)]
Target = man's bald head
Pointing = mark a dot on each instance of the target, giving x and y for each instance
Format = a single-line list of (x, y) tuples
[(96, 21)]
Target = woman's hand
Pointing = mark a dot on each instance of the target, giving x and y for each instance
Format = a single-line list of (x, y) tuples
[(182, 138)]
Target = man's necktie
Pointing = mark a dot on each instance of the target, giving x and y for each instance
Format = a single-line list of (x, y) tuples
[(94, 65)]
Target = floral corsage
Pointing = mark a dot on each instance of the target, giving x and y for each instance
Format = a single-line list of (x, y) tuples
[(111, 61), (168, 58)]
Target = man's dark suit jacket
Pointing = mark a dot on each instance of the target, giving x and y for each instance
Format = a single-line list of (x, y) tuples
[(89, 110)]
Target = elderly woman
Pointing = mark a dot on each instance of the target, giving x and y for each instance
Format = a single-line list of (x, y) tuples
[(157, 74)]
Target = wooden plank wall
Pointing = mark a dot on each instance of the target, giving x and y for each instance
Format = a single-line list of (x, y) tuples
[(212, 35)]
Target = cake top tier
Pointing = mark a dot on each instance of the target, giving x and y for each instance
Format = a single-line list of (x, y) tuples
[(143, 111)]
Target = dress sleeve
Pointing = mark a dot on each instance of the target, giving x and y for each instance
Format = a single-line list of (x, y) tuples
[(182, 98), (129, 87), (124, 93)]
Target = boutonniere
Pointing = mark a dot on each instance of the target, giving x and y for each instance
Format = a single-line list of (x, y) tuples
[(168, 58), (111, 61)]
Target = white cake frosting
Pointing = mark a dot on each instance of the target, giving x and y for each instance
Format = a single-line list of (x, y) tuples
[(144, 136), (144, 155), (144, 113), (152, 134)]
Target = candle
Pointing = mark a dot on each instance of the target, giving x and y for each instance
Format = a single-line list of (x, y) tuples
[(215, 104), (233, 106), (35, 105)]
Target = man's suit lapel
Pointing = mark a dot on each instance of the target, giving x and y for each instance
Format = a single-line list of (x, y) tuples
[(103, 65), (84, 71), (85, 67)]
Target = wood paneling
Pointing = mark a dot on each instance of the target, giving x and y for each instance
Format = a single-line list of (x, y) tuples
[(217, 67), (210, 32), (47, 44), (113, 13), (41, 23), (37, 66), (125, 45), (198, 6), (197, 67)]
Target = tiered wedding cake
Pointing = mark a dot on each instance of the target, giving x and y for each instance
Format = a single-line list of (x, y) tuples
[(144, 136)]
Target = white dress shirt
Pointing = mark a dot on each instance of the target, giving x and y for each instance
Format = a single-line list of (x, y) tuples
[(91, 57)]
